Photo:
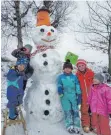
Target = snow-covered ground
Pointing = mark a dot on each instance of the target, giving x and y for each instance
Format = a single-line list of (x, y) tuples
[(43, 127)]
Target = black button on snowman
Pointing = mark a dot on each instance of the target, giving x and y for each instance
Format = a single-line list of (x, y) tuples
[(46, 112)]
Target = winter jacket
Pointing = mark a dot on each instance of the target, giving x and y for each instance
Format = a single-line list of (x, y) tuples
[(100, 99), (85, 81), (28, 72), (69, 85), (20, 54), (15, 87)]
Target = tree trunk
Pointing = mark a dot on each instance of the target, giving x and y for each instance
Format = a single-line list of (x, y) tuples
[(109, 54), (19, 27), (47, 4)]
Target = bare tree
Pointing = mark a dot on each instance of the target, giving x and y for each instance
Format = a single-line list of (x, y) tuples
[(60, 12), (13, 20), (98, 28), (14, 14)]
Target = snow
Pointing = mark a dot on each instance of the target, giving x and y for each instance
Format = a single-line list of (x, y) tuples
[(44, 78), (35, 106)]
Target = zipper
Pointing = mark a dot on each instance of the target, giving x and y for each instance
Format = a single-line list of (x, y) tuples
[(86, 87)]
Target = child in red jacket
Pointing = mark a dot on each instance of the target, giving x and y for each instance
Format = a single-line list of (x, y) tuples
[(85, 77)]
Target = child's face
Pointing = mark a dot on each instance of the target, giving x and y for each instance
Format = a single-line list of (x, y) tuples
[(67, 70), (81, 67), (21, 67), (27, 51), (96, 81)]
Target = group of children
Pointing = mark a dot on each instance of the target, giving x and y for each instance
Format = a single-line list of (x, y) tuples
[(84, 92), (89, 91)]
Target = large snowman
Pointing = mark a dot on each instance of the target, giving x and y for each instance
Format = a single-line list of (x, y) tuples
[(42, 100)]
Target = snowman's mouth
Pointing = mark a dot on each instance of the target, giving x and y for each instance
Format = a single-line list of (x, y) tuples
[(48, 40)]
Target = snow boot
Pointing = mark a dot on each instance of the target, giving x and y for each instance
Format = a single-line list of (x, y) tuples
[(12, 114), (70, 129), (86, 129), (78, 131), (13, 117)]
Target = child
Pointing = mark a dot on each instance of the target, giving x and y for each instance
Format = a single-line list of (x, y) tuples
[(70, 96), (24, 52), (15, 92), (100, 103), (85, 77)]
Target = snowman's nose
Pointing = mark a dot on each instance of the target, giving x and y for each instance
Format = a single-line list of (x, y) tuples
[(49, 34)]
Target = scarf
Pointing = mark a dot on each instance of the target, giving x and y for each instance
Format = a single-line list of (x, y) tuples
[(41, 49)]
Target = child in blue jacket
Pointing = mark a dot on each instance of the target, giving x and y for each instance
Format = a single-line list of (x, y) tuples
[(70, 97), (15, 92)]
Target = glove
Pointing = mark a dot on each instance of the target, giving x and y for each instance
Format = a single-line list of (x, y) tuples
[(79, 106), (61, 95), (23, 49)]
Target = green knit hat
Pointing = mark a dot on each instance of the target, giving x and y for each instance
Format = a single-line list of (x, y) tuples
[(29, 47)]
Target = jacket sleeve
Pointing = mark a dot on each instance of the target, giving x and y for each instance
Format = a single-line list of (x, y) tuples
[(29, 73), (11, 75), (89, 96), (17, 53), (59, 85), (108, 98), (78, 91)]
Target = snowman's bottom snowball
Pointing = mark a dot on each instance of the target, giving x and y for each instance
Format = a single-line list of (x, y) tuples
[(43, 103), (52, 115)]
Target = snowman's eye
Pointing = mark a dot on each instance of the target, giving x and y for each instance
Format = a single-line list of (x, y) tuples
[(41, 30), (52, 30)]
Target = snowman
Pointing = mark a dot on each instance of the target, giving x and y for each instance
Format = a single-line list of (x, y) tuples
[(42, 100)]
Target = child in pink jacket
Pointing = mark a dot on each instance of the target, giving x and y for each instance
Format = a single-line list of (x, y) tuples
[(100, 104)]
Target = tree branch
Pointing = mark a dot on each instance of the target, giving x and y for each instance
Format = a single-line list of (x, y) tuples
[(24, 14)]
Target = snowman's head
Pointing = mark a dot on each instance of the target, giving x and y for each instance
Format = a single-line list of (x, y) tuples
[(44, 36)]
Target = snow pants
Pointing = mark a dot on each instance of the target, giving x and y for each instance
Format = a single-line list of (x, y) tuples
[(14, 96), (71, 111), (101, 124), (13, 102), (85, 117)]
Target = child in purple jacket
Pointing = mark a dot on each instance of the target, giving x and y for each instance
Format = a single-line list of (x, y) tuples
[(100, 104)]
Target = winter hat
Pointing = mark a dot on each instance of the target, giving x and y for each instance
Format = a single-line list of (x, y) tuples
[(29, 47), (81, 61), (22, 61), (67, 64), (99, 77)]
